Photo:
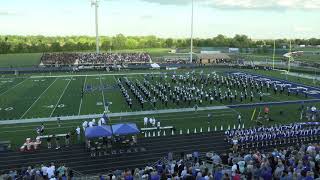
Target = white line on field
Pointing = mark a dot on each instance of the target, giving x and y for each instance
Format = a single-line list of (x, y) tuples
[(60, 97), (38, 98), (164, 117), (104, 103), (82, 75), (84, 83), (227, 112), (13, 87)]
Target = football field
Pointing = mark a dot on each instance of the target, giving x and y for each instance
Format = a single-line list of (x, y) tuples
[(30, 97), (61, 95)]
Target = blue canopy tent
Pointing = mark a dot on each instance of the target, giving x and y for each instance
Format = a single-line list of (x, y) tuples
[(98, 131), (125, 129)]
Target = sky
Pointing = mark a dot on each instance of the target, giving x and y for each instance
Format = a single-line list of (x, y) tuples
[(259, 19)]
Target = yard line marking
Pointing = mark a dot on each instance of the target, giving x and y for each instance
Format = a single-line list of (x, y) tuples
[(84, 83), (13, 87), (60, 97), (38, 98), (104, 102)]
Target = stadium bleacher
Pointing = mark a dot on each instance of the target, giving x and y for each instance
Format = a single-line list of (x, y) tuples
[(94, 58)]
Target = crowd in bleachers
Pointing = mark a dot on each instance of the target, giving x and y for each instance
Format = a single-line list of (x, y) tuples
[(290, 163), (94, 58), (39, 172), (59, 58), (274, 135)]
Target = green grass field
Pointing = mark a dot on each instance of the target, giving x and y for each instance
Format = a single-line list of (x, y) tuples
[(25, 98), (20, 60), (30, 97)]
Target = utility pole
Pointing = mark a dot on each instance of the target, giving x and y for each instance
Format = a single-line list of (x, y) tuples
[(274, 53), (95, 3), (191, 38), (290, 56)]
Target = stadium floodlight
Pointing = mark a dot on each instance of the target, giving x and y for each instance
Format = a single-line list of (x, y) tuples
[(191, 38), (95, 3), (274, 53), (289, 61)]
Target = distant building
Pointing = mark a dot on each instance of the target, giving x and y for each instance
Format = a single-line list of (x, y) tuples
[(210, 52), (234, 50), (212, 58)]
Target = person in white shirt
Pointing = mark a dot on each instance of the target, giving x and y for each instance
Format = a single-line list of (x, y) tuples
[(103, 121), (78, 133), (153, 122), (100, 122), (51, 170), (150, 120), (239, 119), (84, 125), (91, 123), (44, 170), (145, 121), (313, 113), (158, 124)]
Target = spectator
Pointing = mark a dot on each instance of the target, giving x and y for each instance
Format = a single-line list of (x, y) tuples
[(51, 170), (67, 139)]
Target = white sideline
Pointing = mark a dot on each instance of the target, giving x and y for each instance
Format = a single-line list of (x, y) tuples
[(121, 114)]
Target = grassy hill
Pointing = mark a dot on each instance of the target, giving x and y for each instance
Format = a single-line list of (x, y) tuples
[(20, 60)]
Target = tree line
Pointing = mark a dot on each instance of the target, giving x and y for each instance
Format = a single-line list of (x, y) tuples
[(39, 44)]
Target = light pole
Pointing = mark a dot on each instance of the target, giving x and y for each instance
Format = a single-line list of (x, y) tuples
[(191, 38), (274, 53), (95, 3), (289, 61)]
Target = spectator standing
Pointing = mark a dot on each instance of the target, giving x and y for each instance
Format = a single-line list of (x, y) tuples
[(92, 123), (67, 138), (84, 125), (239, 119), (51, 170), (59, 121), (44, 171), (78, 132), (145, 121), (49, 142), (57, 142), (61, 170)]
